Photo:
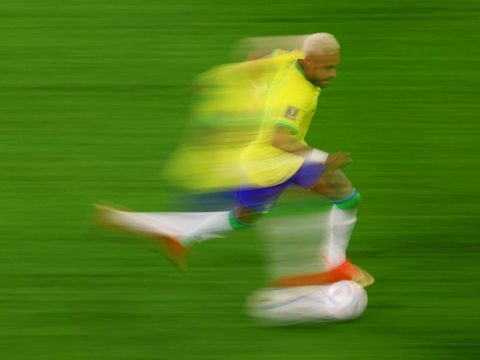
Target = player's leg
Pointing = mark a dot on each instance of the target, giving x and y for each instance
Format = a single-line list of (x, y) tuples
[(250, 205), (186, 227), (343, 215), (144, 224), (177, 231), (341, 222)]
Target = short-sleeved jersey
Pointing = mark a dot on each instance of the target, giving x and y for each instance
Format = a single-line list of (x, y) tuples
[(227, 113), (291, 102)]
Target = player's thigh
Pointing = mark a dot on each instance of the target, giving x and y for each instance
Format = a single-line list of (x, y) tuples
[(334, 185)]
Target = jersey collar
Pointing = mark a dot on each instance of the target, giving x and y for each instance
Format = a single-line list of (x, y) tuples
[(301, 71)]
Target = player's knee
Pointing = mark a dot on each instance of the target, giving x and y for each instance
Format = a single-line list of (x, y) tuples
[(341, 185), (242, 217)]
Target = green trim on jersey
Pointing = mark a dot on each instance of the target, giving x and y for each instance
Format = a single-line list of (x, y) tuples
[(286, 124), (300, 69)]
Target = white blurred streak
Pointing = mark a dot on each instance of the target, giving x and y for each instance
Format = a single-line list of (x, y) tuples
[(255, 47), (294, 243)]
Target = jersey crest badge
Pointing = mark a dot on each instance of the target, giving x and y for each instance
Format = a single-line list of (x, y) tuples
[(291, 112)]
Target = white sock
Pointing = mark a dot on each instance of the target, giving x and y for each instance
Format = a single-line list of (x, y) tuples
[(137, 222), (340, 226), (187, 227), (213, 225)]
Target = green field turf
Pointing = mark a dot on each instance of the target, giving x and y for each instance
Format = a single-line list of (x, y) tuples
[(93, 99)]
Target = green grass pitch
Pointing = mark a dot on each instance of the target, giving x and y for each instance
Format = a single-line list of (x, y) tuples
[(93, 97)]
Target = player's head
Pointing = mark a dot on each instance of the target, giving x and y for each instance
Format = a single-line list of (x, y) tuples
[(322, 55)]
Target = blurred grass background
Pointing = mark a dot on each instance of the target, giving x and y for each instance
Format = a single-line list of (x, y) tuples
[(93, 98)]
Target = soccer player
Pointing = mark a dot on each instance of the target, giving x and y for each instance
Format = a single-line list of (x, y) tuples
[(275, 159)]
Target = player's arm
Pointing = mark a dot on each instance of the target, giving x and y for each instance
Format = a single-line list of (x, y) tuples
[(285, 119), (284, 139)]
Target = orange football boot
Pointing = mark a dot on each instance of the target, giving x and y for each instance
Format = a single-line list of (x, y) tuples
[(345, 271)]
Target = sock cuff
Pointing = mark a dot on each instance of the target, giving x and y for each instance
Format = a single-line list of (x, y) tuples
[(350, 202), (234, 222)]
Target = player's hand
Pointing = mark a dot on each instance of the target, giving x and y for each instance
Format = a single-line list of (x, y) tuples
[(338, 160)]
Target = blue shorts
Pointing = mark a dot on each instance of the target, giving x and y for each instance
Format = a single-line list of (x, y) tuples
[(258, 199), (262, 199)]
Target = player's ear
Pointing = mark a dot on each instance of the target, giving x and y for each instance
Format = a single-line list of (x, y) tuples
[(308, 60)]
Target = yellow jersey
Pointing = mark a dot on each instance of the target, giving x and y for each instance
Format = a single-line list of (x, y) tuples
[(230, 105), (291, 101)]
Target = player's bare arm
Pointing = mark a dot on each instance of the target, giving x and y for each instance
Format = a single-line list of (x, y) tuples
[(284, 140)]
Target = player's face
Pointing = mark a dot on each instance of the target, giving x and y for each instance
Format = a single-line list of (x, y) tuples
[(321, 69)]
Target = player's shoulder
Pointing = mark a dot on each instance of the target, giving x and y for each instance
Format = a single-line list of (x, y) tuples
[(293, 75), (293, 82)]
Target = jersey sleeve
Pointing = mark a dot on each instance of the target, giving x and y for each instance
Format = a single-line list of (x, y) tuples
[(287, 109)]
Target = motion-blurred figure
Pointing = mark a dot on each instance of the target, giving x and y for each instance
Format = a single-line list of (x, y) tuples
[(248, 141)]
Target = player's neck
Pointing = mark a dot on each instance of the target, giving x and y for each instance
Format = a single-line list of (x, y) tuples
[(300, 66)]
